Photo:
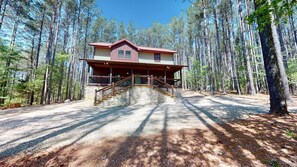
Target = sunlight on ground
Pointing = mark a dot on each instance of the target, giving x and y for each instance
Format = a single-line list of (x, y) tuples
[(210, 131)]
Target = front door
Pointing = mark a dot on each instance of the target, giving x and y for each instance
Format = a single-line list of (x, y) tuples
[(137, 79)]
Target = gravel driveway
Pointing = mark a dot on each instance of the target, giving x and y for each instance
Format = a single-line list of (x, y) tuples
[(43, 128)]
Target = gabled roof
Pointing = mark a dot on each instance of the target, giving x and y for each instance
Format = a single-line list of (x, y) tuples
[(139, 48), (123, 41)]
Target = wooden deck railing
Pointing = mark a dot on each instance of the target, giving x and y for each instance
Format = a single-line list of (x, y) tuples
[(98, 80), (126, 83)]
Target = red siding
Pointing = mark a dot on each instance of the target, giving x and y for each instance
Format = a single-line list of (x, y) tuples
[(124, 46)]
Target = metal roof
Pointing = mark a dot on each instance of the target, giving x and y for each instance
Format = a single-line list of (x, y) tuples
[(139, 48)]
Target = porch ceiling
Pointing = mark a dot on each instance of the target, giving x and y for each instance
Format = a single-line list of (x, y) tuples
[(132, 65)]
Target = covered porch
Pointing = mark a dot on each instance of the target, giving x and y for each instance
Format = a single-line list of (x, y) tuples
[(104, 73)]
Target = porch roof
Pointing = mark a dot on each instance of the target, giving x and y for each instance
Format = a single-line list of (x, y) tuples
[(132, 65)]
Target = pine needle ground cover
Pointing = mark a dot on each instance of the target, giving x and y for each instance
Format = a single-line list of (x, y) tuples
[(255, 140)]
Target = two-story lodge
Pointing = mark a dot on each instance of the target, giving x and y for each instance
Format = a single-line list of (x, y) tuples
[(112, 62)]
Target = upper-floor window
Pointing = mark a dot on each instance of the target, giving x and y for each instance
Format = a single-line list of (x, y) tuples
[(128, 54), (121, 54), (157, 57)]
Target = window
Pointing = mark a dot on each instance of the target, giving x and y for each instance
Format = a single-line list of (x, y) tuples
[(121, 54), (157, 57), (128, 54)]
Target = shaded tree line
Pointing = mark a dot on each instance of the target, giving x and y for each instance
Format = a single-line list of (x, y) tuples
[(245, 47), (41, 43)]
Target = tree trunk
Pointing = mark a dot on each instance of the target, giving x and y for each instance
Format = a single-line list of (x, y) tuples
[(278, 104), (3, 13), (224, 62), (14, 33), (83, 76), (49, 53), (252, 50), (73, 76), (231, 48), (60, 98), (207, 50), (282, 45), (38, 52), (68, 93), (1, 2), (218, 43), (32, 73), (251, 87), (280, 61), (54, 55), (294, 32)]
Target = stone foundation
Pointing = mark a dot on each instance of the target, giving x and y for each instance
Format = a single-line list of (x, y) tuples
[(90, 92), (140, 95)]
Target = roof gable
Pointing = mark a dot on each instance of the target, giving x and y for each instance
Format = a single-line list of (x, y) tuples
[(124, 41)]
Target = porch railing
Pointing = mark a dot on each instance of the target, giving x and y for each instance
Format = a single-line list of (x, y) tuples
[(128, 82), (97, 80)]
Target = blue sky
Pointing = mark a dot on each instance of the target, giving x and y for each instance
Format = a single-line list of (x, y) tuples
[(142, 12)]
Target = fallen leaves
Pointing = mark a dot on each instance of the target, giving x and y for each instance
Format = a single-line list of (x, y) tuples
[(259, 140)]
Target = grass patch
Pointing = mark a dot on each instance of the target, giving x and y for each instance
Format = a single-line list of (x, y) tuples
[(291, 134)]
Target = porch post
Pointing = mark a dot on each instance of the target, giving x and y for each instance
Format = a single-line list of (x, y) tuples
[(112, 88), (88, 78), (110, 76), (95, 98), (152, 80), (148, 76), (181, 77), (165, 76), (132, 79)]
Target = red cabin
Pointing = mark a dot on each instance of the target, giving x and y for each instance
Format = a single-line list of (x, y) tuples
[(116, 61)]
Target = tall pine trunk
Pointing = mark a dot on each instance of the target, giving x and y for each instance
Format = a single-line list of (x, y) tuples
[(54, 56), (207, 50), (278, 104), (72, 84), (60, 98), (294, 32), (49, 53), (83, 76), (219, 52), (3, 12), (32, 69), (231, 48), (38, 52), (284, 79), (251, 87)]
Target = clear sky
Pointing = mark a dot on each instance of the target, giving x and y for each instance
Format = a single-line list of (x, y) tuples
[(142, 12)]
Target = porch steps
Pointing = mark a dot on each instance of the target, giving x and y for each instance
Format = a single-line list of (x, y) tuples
[(161, 88), (119, 92), (162, 91)]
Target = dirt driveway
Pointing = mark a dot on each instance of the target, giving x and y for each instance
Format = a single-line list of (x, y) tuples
[(48, 128)]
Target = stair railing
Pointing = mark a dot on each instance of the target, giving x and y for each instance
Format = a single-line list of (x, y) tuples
[(128, 82), (161, 85), (111, 89)]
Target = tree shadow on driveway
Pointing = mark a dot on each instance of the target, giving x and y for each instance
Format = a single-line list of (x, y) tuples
[(115, 113), (125, 150), (225, 133)]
